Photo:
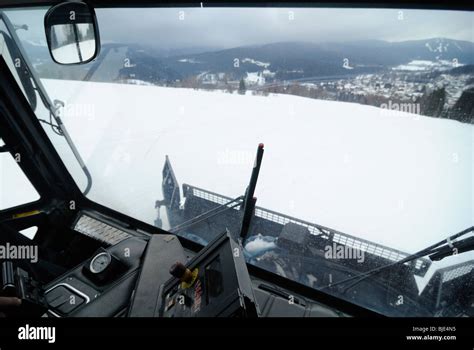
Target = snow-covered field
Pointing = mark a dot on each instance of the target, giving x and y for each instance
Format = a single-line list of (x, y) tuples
[(69, 53), (403, 181), (423, 65)]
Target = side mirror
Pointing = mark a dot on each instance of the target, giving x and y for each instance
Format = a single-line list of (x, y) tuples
[(72, 33)]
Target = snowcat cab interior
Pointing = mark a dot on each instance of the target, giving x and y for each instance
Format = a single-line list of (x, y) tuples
[(89, 260)]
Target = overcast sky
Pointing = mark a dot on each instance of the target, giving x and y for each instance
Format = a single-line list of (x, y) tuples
[(230, 27)]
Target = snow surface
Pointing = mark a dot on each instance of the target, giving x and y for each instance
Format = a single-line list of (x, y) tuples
[(15, 189), (257, 63), (188, 60), (255, 78), (68, 53), (403, 181), (257, 245), (425, 65), (268, 73), (441, 46)]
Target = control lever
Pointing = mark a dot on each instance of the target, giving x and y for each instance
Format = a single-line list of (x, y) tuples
[(8, 279), (17, 288), (185, 275)]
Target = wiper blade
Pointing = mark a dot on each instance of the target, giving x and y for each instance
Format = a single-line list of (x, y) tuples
[(453, 248), (249, 199), (247, 203), (432, 249)]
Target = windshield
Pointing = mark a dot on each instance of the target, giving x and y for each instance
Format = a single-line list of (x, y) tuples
[(366, 116)]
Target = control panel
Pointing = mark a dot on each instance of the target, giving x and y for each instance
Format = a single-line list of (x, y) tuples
[(215, 283)]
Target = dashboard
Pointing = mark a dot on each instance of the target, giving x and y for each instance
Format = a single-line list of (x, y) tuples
[(139, 275), (131, 273)]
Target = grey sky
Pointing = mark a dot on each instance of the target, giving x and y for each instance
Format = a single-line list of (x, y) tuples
[(230, 27)]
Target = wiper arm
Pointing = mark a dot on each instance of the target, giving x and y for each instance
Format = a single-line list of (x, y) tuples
[(454, 248), (249, 199), (432, 249)]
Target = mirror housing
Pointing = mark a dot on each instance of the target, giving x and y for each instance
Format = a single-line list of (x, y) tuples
[(72, 33)]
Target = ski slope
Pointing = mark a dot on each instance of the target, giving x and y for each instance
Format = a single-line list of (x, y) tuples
[(403, 181)]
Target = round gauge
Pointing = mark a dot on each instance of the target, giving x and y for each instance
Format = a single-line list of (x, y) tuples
[(100, 262)]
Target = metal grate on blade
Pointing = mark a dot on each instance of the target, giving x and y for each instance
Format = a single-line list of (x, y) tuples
[(99, 230), (421, 265), (457, 271)]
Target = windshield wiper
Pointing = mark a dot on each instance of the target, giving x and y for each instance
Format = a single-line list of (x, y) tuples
[(249, 199), (458, 247), (246, 202), (59, 128), (439, 250)]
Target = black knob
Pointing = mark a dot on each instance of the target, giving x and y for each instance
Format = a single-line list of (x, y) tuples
[(178, 270)]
